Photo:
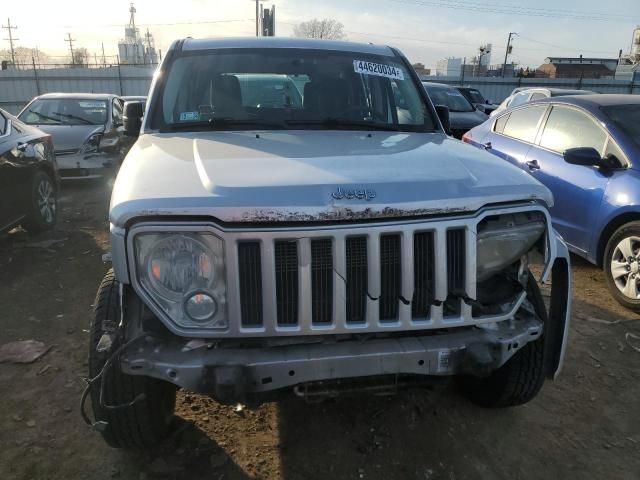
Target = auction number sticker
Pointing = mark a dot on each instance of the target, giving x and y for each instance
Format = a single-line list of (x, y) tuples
[(378, 69)]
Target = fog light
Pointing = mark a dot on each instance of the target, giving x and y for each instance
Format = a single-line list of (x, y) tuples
[(200, 307)]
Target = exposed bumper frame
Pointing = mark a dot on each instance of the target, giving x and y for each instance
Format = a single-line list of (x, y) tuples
[(231, 373)]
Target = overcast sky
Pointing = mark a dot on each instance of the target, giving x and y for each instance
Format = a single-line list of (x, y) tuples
[(426, 30)]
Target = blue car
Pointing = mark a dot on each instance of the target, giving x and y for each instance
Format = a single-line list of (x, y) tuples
[(586, 150)]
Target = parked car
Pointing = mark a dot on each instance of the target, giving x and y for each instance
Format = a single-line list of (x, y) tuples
[(477, 99), (462, 114), (87, 131), (522, 95), (339, 244), (28, 176), (586, 149)]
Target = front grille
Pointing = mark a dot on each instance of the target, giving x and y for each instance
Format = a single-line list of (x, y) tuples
[(456, 271), (321, 281), (286, 253), (389, 276), (358, 280), (250, 283)]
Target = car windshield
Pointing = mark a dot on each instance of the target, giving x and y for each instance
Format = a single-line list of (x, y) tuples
[(627, 118), (288, 88), (449, 97), (65, 111), (475, 96)]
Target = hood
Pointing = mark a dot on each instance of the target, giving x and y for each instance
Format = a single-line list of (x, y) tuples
[(466, 120), (311, 176), (70, 137)]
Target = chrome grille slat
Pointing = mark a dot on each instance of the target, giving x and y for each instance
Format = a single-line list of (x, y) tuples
[(270, 311), (304, 281), (408, 287)]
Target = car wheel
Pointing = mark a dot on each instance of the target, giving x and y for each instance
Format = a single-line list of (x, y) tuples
[(520, 379), (134, 411), (622, 265), (43, 209)]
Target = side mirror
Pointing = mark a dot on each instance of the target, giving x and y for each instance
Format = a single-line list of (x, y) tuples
[(443, 115), (133, 112), (587, 156)]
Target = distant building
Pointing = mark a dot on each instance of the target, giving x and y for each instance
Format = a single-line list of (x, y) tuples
[(134, 49), (421, 69), (577, 67), (449, 67), (629, 65)]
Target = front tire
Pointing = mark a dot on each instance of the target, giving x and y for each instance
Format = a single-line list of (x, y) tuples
[(621, 265), (43, 207), (520, 379), (146, 422)]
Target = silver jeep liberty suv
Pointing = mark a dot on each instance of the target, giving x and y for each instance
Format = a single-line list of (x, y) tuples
[(294, 219)]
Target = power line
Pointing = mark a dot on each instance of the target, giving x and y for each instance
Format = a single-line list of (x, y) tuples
[(168, 24), (10, 27), (516, 10), (71, 40)]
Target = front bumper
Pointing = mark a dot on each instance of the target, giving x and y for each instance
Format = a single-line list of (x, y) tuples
[(230, 374), (87, 165)]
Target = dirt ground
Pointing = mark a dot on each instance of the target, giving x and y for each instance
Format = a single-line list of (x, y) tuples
[(584, 425)]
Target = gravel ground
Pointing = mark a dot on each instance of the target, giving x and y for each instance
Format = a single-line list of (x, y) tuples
[(584, 425)]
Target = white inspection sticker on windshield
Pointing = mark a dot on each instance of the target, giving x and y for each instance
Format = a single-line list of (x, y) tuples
[(378, 69)]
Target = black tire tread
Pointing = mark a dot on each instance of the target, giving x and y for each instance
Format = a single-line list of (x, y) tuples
[(144, 424), (520, 379)]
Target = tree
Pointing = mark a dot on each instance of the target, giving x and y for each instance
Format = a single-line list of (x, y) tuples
[(80, 56), (23, 56), (327, 28)]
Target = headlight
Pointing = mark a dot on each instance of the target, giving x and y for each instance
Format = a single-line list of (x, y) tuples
[(503, 240), (92, 144), (184, 273)]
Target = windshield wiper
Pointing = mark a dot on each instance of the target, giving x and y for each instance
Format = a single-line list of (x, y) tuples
[(42, 115), (75, 117), (331, 122), (222, 123)]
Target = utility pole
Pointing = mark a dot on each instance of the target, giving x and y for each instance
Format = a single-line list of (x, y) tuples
[(11, 40), (507, 52), (71, 40), (104, 60), (257, 18)]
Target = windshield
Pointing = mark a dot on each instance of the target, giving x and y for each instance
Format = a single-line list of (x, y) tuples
[(475, 96), (65, 111), (627, 118), (288, 88), (449, 97)]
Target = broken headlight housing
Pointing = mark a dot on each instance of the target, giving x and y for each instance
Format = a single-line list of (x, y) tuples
[(503, 239), (184, 274)]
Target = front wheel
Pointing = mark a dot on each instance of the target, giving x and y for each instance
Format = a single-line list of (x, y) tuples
[(622, 265), (133, 424), (520, 379)]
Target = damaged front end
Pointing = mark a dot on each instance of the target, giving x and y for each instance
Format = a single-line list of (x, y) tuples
[(308, 305)]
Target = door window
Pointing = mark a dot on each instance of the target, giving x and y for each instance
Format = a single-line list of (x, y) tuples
[(523, 123), (570, 128), (117, 112), (3, 124)]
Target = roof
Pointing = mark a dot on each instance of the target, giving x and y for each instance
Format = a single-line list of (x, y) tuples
[(191, 44), (597, 100), (83, 96)]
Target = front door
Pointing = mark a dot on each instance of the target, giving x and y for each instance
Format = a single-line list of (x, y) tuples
[(577, 190)]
